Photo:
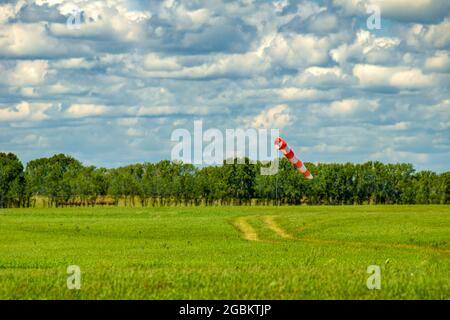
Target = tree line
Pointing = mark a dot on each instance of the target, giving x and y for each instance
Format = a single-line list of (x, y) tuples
[(62, 180)]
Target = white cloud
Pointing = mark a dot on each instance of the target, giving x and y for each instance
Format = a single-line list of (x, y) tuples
[(435, 36), (344, 106), (155, 63), (6, 12), (73, 63), (323, 23), (279, 5), (276, 117), (184, 18), (25, 111), (399, 126), (28, 91), (440, 111), (86, 110), (24, 40), (391, 154), (439, 62), (232, 65), (9, 11), (59, 88), (324, 77), (156, 111), (20, 112), (402, 10), (298, 50), (439, 35), (329, 148), (28, 73), (127, 121), (133, 132), (50, 2), (411, 79), (108, 20), (368, 48), (32, 141), (161, 111), (23, 73), (397, 77), (291, 93), (349, 106)]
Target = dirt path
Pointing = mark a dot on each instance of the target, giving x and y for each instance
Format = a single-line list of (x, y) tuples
[(276, 228), (248, 231)]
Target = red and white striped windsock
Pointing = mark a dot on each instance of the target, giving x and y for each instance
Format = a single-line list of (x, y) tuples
[(281, 145)]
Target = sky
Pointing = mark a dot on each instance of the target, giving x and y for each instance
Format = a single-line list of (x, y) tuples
[(109, 81)]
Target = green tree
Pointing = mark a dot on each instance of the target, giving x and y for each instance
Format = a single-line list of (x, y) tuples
[(11, 181)]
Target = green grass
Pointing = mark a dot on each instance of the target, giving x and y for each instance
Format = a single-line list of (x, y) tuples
[(201, 253)]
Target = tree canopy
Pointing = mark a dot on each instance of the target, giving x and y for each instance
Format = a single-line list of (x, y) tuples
[(62, 180)]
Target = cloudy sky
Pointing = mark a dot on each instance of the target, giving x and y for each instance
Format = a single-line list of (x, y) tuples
[(108, 81)]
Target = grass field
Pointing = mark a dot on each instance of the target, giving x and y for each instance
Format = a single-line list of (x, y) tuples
[(226, 252)]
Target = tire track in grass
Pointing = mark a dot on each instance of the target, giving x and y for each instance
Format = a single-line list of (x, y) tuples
[(268, 220), (246, 229), (250, 234), (372, 244)]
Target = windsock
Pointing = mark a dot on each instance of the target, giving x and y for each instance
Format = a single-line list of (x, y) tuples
[(281, 145)]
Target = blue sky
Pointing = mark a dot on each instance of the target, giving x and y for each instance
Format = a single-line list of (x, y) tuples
[(112, 91)]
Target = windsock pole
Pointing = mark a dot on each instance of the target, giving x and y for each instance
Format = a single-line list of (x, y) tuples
[(281, 145)]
